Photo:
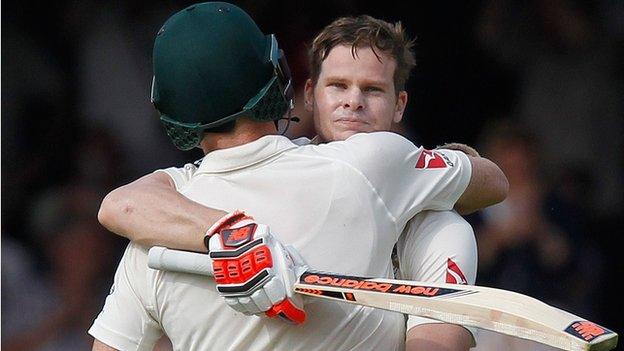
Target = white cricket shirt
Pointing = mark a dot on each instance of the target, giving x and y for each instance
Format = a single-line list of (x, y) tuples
[(342, 205), (435, 246)]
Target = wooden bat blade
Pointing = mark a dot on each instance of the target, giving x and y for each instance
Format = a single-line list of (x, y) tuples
[(493, 309), (487, 308)]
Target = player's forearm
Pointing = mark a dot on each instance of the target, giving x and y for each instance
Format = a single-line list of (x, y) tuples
[(100, 346), (488, 186), (150, 211), (438, 337)]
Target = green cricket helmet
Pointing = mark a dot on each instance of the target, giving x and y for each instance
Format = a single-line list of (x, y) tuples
[(212, 65)]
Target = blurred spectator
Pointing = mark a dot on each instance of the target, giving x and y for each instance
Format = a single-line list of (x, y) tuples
[(35, 116), (98, 160), (536, 242), (115, 76), (570, 91), (22, 290), (52, 310)]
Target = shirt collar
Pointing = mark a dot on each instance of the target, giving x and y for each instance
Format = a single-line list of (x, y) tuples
[(307, 141), (316, 140), (238, 157)]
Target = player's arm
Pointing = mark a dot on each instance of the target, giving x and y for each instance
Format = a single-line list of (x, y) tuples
[(150, 211), (438, 337), (488, 186), (100, 346), (437, 246)]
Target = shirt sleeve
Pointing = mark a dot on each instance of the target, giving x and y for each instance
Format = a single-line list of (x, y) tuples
[(438, 246), (407, 178), (125, 322), (180, 175)]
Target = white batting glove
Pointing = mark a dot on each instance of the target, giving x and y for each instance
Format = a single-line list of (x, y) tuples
[(254, 272)]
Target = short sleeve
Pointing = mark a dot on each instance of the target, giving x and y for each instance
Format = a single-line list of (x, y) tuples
[(180, 175), (438, 246), (407, 178), (124, 322)]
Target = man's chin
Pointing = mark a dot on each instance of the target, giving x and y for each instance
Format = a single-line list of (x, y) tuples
[(339, 134)]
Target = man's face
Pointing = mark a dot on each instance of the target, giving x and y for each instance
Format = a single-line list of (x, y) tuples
[(354, 95)]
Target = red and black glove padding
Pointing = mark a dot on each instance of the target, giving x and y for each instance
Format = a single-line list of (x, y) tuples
[(254, 272)]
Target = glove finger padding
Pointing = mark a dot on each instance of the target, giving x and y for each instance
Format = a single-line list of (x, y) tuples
[(294, 266), (261, 300), (275, 291)]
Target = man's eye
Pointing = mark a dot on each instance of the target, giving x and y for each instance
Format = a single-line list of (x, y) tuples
[(338, 85), (373, 89)]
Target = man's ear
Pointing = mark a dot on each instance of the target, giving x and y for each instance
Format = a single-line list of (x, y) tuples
[(400, 106), (308, 95)]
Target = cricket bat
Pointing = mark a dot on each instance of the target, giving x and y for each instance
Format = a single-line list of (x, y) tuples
[(487, 308)]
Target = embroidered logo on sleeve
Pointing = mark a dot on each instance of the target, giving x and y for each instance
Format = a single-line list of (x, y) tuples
[(431, 159), (454, 275)]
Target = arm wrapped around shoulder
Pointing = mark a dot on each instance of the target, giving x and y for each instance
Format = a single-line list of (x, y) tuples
[(488, 186)]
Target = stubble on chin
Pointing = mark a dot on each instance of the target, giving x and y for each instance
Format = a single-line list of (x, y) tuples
[(344, 135)]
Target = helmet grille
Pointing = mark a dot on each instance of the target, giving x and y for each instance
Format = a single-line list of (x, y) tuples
[(272, 106), (183, 138)]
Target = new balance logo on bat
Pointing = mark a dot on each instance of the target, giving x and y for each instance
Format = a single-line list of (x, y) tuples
[(369, 285), (587, 330)]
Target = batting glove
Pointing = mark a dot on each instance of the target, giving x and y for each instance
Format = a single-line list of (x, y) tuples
[(254, 272)]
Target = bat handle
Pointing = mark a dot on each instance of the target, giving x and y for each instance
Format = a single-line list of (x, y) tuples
[(166, 259)]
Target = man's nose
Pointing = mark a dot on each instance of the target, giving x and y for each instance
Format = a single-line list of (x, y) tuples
[(353, 100)]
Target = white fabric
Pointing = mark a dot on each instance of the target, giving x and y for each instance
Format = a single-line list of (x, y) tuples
[(426, 244), (128, 321), (429, 240), (342, 205)]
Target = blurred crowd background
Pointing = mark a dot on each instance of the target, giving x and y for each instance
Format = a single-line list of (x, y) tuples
[(537, 86)]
